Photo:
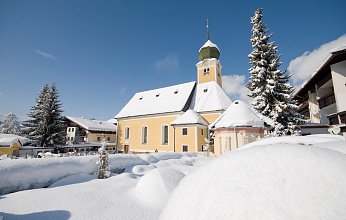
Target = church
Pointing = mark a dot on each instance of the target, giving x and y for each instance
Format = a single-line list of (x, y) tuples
[(175, 118)]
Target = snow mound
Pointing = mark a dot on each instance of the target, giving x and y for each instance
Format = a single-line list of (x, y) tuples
[(166, 156), (301, 140), (155, 187), (149, 158), (282, 181), (339, 146), (73, 179), (140, 170)]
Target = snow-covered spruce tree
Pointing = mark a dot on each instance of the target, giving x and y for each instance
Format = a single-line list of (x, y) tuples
[(10, 125), (269, 86), (46, 125), (103, 167)]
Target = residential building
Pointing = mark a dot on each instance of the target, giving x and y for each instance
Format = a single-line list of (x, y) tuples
[(87, 134), (322, 98), (9, 145)]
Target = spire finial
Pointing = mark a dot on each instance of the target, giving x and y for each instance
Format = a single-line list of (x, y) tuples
[(208, 37)]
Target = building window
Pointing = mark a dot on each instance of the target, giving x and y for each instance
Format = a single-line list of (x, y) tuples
[(185, 148), (184, 131), (71, 138), (72, 129), (144, 135), (165, 134), (108, 138), (202, 131), (127, 132), (69, 129), (98, 138)]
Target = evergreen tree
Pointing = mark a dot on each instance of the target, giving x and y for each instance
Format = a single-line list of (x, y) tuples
[(268, 85), (46, 126), (10, 125), (103, 167)]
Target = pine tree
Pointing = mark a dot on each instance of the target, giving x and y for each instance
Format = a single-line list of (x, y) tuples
[(46, 126), (268, 85), (10, 125)]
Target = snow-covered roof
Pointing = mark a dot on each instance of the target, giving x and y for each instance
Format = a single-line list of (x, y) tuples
[(330, 56), (93, 125), (9, 139), (338, 49), (210, 96), (163, 100), (113, 121), (189, 117), (238, 114), (209, 44)]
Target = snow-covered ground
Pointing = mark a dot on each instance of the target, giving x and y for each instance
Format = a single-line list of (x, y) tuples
[(276, 178)]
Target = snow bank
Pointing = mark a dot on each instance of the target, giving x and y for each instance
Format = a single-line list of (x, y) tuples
[(300, 140), (277, 181), (25, 174), (156, 186)]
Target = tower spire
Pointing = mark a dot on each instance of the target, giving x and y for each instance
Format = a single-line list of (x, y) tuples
[(208, 37)]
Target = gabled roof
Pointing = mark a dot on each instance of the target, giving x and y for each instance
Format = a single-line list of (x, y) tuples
[(189, 117), (93, 125), (336, 55), (164, 100), (210, 96), (238, 114), (9, 139)]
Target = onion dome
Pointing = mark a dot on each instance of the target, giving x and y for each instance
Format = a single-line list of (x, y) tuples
[(209, 49)]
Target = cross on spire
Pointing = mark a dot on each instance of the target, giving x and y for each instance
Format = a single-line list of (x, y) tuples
[(208, 37)]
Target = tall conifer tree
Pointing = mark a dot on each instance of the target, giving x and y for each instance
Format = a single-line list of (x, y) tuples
[(46, 124), (268, 85), (10, 125)]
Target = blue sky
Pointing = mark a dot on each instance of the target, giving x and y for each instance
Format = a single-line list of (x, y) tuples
[(100, 53)]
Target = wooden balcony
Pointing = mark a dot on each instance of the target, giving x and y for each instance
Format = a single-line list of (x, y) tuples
[(326, 100), (333, 119)]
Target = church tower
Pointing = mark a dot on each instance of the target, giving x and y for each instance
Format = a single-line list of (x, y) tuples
[(209, 66)]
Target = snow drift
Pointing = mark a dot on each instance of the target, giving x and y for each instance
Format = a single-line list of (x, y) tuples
[(272, 181)]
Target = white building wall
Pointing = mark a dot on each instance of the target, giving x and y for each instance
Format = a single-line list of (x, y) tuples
[(314, 108), (339, 82)]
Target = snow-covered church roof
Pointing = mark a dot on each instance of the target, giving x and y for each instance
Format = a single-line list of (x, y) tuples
[(163, 100), (94, 125), (238, 114), (189, 117), (205, 97), (208, 97)]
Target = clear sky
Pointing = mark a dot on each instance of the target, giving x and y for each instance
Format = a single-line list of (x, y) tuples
[(100, 53)]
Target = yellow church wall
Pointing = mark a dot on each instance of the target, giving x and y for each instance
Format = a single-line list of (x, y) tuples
[(214, 73), (154, 133), (202, 133), (188, 140), (210, 117), (194, 140)]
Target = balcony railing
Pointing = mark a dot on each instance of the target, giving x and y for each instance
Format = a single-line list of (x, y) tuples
[(333, 119), (326, 100)]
